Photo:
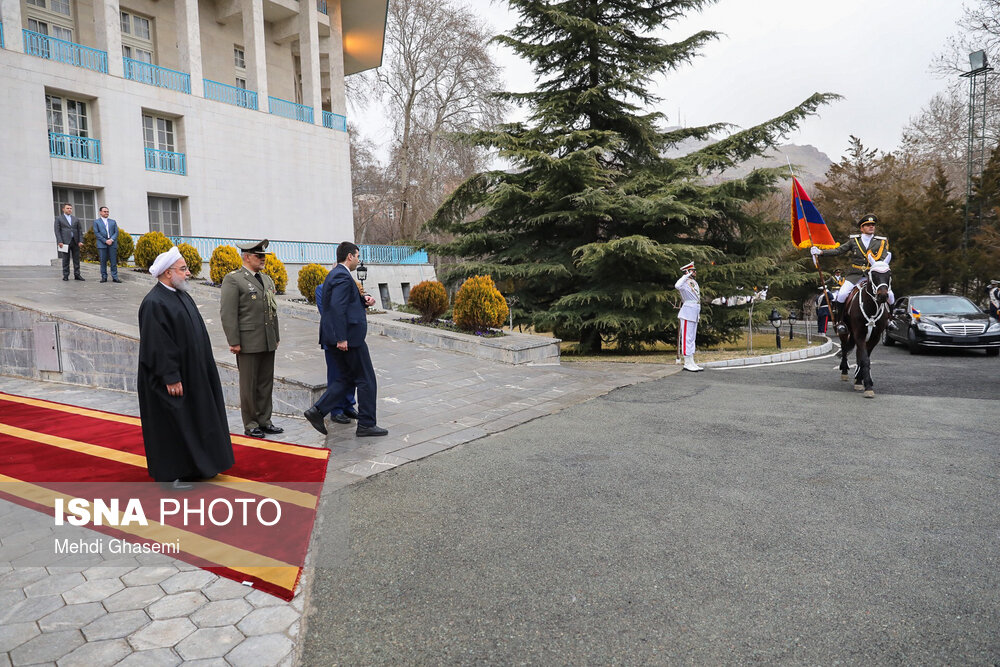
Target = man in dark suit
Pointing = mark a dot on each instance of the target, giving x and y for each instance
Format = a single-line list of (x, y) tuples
[(343, 326), (69, 234), (106, 238)]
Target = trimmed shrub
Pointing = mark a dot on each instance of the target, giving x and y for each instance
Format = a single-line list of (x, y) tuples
[(88, 252), (276, 269), (149, 246), (479, 305), (430, 298), (225, 258), (192, 257), (125, 246), (311, 276)]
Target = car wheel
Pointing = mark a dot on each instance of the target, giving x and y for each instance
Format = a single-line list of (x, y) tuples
[(887, 340), (992, 351), (911, 341)]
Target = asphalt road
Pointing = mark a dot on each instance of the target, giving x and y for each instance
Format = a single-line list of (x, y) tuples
[(755, 515)]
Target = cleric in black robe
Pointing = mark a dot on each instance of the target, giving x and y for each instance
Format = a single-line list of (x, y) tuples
[(184, 425)]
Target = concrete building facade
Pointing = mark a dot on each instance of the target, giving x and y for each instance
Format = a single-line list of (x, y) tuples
[(210, 118)]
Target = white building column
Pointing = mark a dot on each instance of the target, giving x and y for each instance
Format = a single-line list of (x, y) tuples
[(10, 15), (108, 25), (189, 42), (312, 85), (255, 50), (338, 96)]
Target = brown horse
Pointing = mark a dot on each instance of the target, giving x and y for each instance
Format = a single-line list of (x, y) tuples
[(866, 315)]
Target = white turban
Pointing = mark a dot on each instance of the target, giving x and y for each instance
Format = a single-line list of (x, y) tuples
[(164, 261)]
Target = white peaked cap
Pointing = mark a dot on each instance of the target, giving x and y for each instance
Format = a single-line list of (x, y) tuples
[(164, 261)]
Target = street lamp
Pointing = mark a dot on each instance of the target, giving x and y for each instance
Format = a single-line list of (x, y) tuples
[(792, 316), (775, 320), (362, 273)]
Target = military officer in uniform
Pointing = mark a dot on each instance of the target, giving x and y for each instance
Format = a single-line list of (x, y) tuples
[(249, 313), (993, 298), (687, 316), (861, 249)]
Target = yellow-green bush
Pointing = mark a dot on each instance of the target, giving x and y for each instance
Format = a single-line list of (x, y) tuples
[(430, 299), (149, 246), (225, 258), (479, 305), (276, 269), (88, 252), (192, 257), (311, 276), (125, 246)]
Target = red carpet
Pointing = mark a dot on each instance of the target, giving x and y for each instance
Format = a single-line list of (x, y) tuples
[(251, 524)]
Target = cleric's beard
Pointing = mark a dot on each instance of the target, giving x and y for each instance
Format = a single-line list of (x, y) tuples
[(179, 283)]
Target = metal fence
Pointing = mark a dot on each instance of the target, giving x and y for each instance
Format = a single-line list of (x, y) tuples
[(223, 92), (50, 48), (72, 147), (307, 252), (154, 75)]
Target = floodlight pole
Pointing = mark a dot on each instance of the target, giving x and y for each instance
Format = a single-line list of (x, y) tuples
[(975, 153)]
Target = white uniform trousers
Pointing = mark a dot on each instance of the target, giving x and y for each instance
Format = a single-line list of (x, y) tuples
[(688, 330)]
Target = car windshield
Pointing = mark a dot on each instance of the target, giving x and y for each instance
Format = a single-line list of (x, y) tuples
[(944, 305)]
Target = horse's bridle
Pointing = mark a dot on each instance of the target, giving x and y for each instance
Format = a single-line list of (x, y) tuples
[(881, 308)]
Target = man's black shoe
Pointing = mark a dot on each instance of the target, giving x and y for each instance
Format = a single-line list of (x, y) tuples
[(352, 413), (365, 431), (254, 432), (340, 418), (104, 280), (65, 277), (272, 429), (315, 417), (115, 280), (78, 278), (177, 485)]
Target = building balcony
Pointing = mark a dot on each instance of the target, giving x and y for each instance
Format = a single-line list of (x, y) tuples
[(50, 48), (166, 161), (1, 35), (291, 110), (154, 75), (334, 121), (72, 147), (321, 7), (238, 97)]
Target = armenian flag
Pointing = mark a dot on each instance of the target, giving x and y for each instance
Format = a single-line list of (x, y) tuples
[(808, 226), (914, 313)]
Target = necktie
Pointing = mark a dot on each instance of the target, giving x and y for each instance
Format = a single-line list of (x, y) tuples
[(259, 279)]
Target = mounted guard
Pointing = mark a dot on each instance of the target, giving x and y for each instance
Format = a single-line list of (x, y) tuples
[(863, 250)]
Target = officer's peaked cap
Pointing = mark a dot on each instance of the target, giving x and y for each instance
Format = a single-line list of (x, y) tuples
[(254, 246), (871, 217)]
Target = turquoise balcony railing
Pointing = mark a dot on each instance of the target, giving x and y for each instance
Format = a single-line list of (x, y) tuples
[(321, 7), (280, 107), (50, 48), (306, 252), (154, 75), (335, 121), (1, 34), (238, 97), (72, 147), (167, 161)]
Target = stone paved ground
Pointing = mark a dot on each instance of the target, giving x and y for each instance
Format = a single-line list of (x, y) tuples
[(156, 610)]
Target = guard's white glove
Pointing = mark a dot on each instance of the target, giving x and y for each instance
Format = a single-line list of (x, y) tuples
[(816, 251), (888, 257)]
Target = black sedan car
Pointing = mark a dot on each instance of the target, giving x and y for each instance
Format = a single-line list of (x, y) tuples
[(942, 320)]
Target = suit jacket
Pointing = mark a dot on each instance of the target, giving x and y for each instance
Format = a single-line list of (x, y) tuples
[(101, 237), (343, 310), (249, 313), (65, 233)]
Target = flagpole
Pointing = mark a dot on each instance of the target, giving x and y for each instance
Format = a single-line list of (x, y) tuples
[(822, 279)]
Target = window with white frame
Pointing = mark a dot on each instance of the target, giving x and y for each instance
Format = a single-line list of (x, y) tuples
[(240, 63), (158, 133), (137, 37), (82, 201), (67, 116), (164, 215)]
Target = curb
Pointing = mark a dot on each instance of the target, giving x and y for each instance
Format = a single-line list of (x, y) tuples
[(804, 353)]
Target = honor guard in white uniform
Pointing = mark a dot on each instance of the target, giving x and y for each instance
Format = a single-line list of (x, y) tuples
[(993, 296), (688, 315)]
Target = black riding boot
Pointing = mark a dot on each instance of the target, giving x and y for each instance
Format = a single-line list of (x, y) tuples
[(838, 308)]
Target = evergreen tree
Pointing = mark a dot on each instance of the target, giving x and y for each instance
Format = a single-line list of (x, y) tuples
[(985, 247), (590, 225)]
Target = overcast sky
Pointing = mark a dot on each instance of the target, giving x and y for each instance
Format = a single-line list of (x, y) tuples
[(775, 53)]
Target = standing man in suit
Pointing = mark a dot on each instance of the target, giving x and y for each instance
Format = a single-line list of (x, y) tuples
[(250, 320), (343, 326), (106, 237), (69, 234)]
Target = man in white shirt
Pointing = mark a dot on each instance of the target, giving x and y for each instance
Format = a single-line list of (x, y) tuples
[(687, 316), (106, 238), (69, 240)]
